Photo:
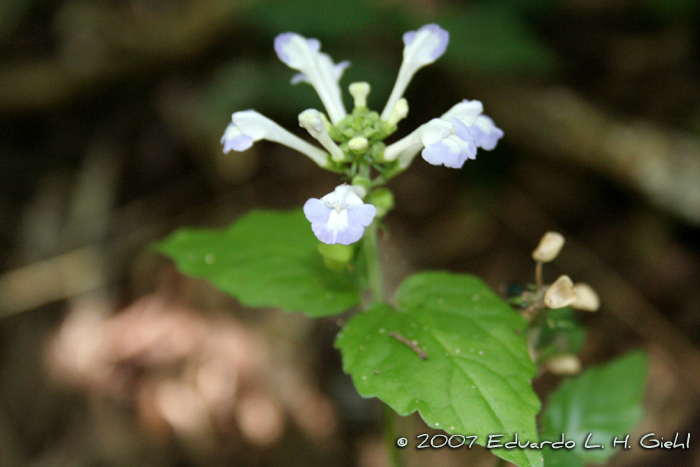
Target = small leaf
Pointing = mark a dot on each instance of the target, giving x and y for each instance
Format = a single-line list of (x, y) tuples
[(476, 377), (604, 401), (266, 259)]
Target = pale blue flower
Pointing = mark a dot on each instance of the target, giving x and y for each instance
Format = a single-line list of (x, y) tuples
[(421, 48), (485, 133), (447, 143), (316, 68), (341, 216), (249, 126), (449, 140)]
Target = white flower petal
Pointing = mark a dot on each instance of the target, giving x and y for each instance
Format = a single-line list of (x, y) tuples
[(435, 131), (466, 112), (425, 46), (422, 48), (249, 126), (316, 69)]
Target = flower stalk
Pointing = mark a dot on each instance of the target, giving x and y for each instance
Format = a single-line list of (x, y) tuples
[(371, 257)]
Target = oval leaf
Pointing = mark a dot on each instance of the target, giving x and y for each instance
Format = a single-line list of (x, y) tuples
[(475, 379), (266, 259)]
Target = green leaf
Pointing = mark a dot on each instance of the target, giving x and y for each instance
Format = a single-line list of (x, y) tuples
[(476, 377), (604, 401), (266, 259), (562, 458)]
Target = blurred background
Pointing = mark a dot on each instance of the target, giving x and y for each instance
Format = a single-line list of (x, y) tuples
[(111, 113)]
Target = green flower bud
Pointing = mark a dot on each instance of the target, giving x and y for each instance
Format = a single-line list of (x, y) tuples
[(377, 151), (358, 144), (336, 257), (359, 92), (364, 182), (383, 200)]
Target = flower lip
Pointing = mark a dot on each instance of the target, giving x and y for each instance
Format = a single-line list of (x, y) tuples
[(246, 127), (233, 139), (340, 216), (429, 42), (285, 39), (486, 134)]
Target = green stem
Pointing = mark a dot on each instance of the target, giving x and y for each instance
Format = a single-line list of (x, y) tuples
[(369, 247), (374, 274), (376, 289), (393, 451)]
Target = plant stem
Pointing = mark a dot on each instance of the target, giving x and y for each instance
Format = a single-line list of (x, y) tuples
[(538, 275), (371, 255), (374, 274), (390, 436), (376, 294), (376, 289)]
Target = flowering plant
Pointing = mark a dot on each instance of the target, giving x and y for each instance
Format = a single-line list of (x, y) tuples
[(446, 345), (354, 143)]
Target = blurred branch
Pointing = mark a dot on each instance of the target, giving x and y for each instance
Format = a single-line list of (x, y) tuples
[(42, 282), (101, 42), (661, 163), (102, 263)]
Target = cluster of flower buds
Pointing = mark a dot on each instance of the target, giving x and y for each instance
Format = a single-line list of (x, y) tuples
[(560, 294), (563, 292), (353, 143)]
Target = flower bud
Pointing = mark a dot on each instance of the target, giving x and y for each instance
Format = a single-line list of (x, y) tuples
[(314, 122), (564, 365), (399, 112), (358, 181), (549, 247), (359, 92), (358, 144), (587, 298), (383, 200), (336, 257), (560, 294)]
